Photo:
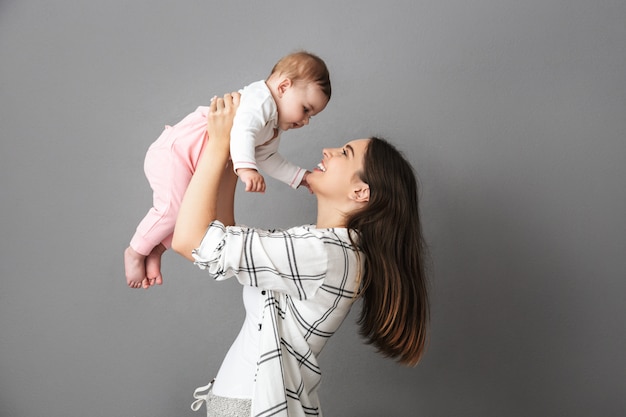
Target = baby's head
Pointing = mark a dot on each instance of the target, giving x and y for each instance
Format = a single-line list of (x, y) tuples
[(300, 84)]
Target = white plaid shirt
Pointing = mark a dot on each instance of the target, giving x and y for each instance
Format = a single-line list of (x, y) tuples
[(309, 276)]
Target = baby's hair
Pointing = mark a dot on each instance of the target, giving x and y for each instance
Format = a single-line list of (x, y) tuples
[(304, 66)]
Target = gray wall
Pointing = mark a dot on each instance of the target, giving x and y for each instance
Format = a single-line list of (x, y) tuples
[(513, 113)]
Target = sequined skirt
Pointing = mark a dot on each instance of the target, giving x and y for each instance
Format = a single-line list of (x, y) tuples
[(220, 406)]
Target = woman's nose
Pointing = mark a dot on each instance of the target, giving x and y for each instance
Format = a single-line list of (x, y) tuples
[(328, 152)]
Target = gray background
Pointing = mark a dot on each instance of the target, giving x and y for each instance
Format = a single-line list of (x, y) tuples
[(512, 112)]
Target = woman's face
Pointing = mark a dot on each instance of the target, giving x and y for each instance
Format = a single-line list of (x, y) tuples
[(338, 172)]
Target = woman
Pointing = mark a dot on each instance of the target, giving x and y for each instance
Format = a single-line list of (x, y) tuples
[(299, 284)]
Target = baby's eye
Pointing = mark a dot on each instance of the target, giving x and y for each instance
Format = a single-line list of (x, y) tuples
[(306, 110)]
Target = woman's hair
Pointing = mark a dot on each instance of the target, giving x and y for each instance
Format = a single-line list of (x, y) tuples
[(395, 311), (304, 66)]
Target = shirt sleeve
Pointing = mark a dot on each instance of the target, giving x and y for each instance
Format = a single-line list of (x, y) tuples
[(293, 261)]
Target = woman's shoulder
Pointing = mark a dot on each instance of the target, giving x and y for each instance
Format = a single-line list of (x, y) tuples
[(313, 229), (333, 236), (305, 231)]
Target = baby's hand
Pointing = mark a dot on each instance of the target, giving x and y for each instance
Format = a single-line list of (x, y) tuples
[(305, 183), (253, 180)]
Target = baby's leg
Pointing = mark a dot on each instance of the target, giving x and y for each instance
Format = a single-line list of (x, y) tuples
[(169, 169), (169, 166)]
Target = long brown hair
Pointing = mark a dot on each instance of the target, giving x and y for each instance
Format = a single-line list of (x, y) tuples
[(394, 288)]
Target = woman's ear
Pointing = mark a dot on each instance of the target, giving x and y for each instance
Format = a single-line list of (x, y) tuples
[(361, 193), (283, 86)]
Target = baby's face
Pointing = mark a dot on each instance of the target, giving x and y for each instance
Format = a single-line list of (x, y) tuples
[(299, 102)]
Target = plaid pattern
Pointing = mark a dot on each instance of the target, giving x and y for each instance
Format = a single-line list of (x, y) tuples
[(310, 277)]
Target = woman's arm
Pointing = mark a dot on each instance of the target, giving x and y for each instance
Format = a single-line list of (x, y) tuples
[(212, 179)]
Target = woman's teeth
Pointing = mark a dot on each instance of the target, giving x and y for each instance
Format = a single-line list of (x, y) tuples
[(321, 167)]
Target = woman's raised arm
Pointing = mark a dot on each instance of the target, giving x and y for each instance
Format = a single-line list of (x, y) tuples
[(210, 193)]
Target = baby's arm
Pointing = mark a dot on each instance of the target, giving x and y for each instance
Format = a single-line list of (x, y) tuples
[(304, 182), (250, 129), (253, 180), (281, 169)]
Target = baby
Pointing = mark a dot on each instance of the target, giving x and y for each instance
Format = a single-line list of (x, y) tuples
[(297, 89)]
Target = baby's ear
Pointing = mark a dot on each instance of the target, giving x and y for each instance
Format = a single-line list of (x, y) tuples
[(284, 85)]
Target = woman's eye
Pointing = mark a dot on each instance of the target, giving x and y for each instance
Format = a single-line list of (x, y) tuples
[(344, 153)]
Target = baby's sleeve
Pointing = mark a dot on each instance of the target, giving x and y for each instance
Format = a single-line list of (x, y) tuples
[(251, 117), (280, 168)]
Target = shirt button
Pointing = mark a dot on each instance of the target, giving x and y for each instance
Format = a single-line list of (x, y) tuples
[(260, 325), (263, 292)]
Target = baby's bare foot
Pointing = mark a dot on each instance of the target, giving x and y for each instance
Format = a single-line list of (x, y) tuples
[(134, 266), (153, 267)]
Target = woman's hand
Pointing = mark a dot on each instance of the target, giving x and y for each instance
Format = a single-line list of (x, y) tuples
[(221, 114)]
